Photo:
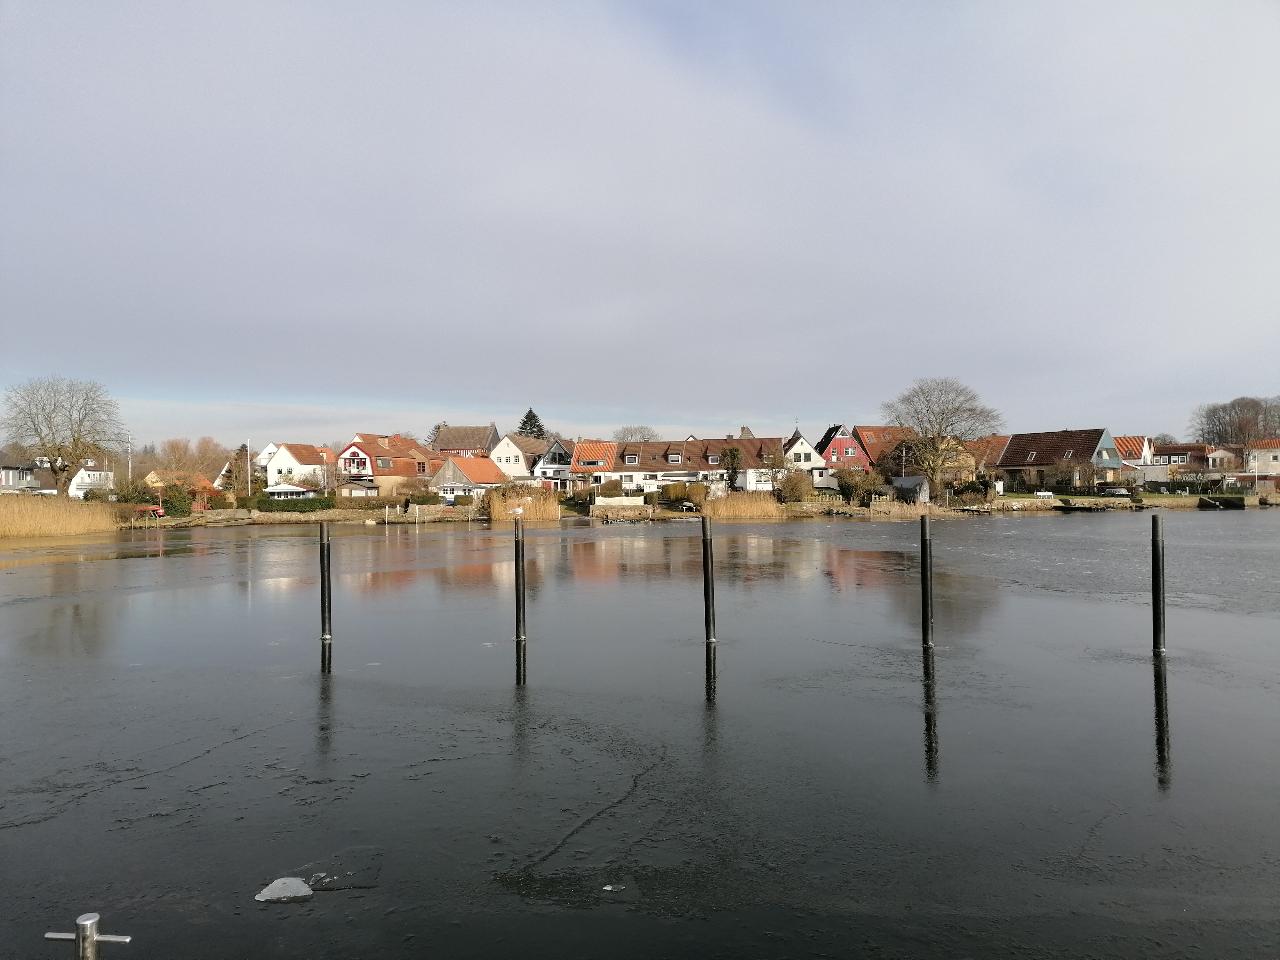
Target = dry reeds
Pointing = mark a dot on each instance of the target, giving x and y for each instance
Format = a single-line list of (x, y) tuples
[(535, 503), (745, 506), (25, 515)]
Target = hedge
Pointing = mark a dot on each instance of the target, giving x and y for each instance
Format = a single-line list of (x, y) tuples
[(295, 505)]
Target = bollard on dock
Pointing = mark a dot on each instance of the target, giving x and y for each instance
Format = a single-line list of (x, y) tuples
[(521, 640), (87, 937), (709, 607), (326, 601), (926, 583), (1157, 585)]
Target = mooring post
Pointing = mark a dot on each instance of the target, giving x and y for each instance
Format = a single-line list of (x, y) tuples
[(326, 601), (926, 583), (87, 937), (521, 641), (1157, 585), (930, 715), (1164, 764), (709, 606)]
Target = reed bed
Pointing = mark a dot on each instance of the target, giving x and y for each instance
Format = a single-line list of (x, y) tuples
[(745, 506), (536, 503), (23, 515)]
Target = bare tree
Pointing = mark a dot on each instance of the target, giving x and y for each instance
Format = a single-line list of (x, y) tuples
[(64, 421), (777, 464), (943, 412), (1163, 439), (635, 433), (1239, 421)]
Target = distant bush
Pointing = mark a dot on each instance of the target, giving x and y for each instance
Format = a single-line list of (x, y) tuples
[(463, 500), (177, 501), (220, 501), (610, 488), (426, 499), (652, 498), (696, 493), (296, 505), (796, 487), (675, 491)]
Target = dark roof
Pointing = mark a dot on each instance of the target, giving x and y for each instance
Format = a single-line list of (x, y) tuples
[(833, 431), (879, 440), (1039, 449), (465, 438), (695, 455), (530, 446)]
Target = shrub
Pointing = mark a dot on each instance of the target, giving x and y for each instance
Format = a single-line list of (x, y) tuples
[(652, 498), (463, 500), (220, 501), (795, 487), (135, 492), (696, 493), (610, 488), (856, 486), (675, 491), (426, 499), (177, 501)]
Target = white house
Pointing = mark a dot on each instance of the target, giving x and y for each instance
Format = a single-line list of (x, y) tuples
[(553, 466), (804, 456), (90, 478), (265, 454), (516, 456), (289, 491), (1262, 457), (294, 461)]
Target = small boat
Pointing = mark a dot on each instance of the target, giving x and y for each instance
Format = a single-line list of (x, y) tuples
[(1221, 503)]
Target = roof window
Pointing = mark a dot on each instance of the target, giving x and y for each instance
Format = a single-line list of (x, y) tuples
[(1031, 457)]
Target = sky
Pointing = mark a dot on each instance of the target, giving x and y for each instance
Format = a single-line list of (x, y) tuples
[(295, 221)]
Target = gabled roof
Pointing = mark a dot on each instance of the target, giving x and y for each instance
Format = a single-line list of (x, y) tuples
[(465, 438), (602, 450), (1130, 447), (1055, 446), (393, 444), (833, 431), (792, 440), (479, 470), (531, 447), (1271, 443), (879, 440), (308, 455), (987, 449)]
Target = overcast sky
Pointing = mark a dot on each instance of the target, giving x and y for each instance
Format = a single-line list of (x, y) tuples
[(292, 221)]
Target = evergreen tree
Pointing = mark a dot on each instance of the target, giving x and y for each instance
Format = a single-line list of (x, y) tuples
[(531, 426)]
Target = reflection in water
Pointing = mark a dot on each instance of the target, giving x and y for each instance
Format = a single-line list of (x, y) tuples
[(520, 722), (1164, 762), (930, 716), (324, 718)]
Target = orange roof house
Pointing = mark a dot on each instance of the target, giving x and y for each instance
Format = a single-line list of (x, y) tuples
[(879, 441), (466, 475)]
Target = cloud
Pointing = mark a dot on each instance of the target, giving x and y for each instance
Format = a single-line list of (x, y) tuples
[(640, 213)]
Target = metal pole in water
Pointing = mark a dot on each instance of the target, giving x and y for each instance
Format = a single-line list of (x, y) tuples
[(709, 606), (1157, 585), (1163, 752), (87, 937), (930, 716), (926, 583), (326, 601), (521, 671)]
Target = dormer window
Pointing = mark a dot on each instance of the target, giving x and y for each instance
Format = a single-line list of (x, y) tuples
[(1031, 457), (673, 458), (633, 458), (714, 458)]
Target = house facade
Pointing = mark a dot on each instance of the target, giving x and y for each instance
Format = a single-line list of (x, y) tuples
[(294, 461), (647, 466), (391, 462), (517, 456), (1262, 457), (878, 442), (1061, 458), (466, 476), (805, 457), (841, 449), (1134, 450), (553, 467), (17, 479), (90, 478)]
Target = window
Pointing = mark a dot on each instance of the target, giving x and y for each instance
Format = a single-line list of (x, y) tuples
[(384, 463), (422, 467), (597, 479), (795, 457), (633, 458), (651, 476), (808, 457), (1067, 455), (628, 478), (673, 458), (848, 451), (1031, 457), (1161, 459), (713, 459), (1275, 458), (593, 463), (1181, 459), (869, 435)]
